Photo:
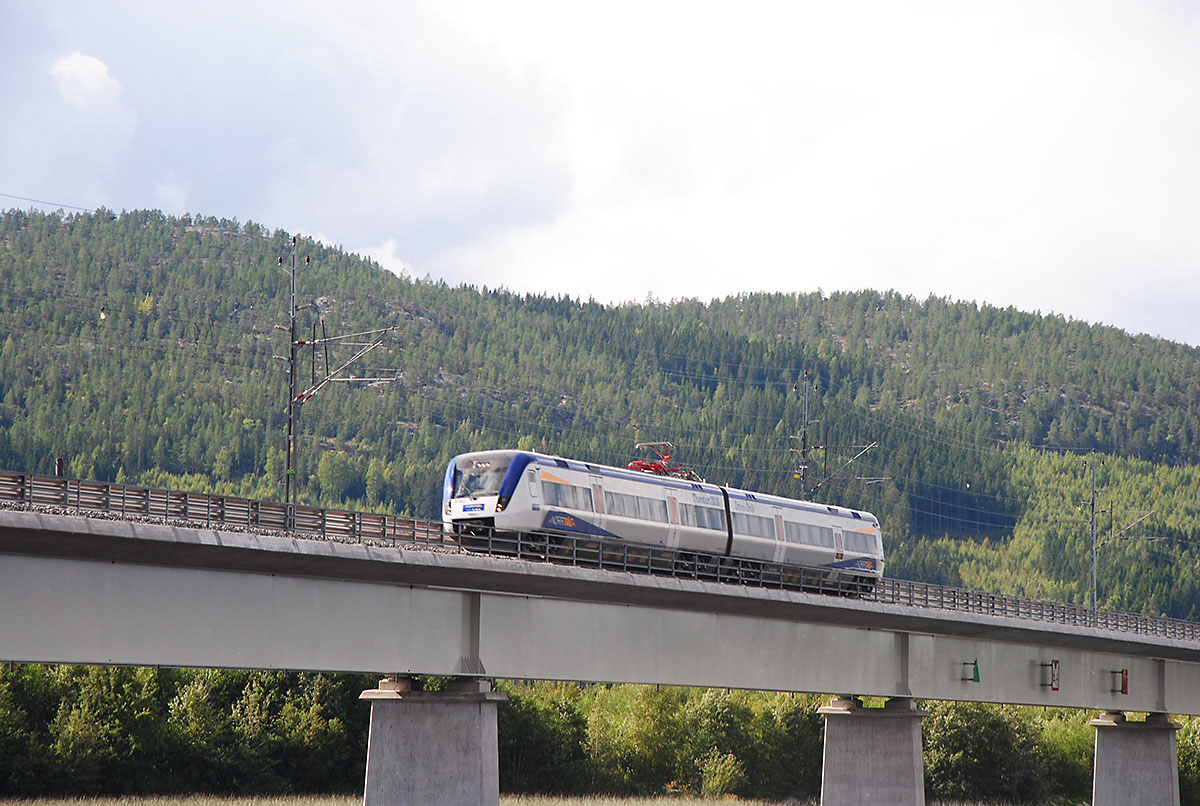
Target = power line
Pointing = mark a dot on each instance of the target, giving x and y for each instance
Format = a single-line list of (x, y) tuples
[(49, 203), (194, 359), (627, 423), (537, 425), (931, 431), (297, 399)]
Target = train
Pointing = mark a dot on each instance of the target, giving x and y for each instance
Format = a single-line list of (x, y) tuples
[(524, 491)]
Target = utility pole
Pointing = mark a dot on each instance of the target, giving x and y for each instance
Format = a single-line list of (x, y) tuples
[(297, 398), (1114, 534), (803, 464), (800, 469), (292, 408), (1095, 604)]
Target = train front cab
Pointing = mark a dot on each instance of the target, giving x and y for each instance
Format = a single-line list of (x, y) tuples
[(477, 491)]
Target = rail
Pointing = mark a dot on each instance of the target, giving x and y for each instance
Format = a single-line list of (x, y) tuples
[(129, 501)]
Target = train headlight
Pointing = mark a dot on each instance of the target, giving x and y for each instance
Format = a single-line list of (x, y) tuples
[(502, 502)]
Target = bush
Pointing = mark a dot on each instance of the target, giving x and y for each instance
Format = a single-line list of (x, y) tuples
[(120, 731), (976, 752), (1188, 747), (1068, 745), (542, 740), (720, 774), (636, 738)]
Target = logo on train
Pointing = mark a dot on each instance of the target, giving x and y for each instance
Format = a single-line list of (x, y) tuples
[(560, 520), (473, 508)]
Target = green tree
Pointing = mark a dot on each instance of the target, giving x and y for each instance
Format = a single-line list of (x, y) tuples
[(109, 737), (337, 477), (542, 740), (976, 752)]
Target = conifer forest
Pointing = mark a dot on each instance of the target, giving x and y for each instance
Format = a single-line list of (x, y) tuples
[(141, 347)]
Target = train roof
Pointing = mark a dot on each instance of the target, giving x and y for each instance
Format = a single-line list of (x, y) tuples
[(673, 482)]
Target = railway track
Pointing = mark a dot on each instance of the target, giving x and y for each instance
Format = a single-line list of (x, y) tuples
[(76, 496)]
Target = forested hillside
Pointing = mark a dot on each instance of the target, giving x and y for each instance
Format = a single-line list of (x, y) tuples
[(140, 347)]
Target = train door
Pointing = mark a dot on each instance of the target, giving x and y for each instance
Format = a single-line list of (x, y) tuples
[(673, 527), (597, 499), (780, 542), (838, 543)]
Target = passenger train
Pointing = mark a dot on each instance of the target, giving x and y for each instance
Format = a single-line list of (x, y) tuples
[(522, 491)]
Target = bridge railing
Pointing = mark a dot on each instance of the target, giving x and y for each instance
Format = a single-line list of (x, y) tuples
[(129, 501), (635, 558)]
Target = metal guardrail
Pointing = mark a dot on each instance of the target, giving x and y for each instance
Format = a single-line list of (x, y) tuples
[(344, 525), (215, 510)]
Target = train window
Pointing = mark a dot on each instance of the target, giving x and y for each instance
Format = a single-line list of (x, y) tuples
[(619, 504), (808, 534), (475, 476), (753, 525), (857, 541), (567, 496), (702, 517), (818, 536), (652, 509), (635, 506)]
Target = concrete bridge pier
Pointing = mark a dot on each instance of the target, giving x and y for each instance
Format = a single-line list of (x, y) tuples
[(872, 755), (432, 748), (1135, 762)]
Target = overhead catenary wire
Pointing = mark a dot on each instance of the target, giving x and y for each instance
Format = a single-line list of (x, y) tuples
[(225, 361), (903, 422), (49, 203), (722, 415)]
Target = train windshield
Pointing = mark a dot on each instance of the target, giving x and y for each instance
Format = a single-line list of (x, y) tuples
[(479, 475)]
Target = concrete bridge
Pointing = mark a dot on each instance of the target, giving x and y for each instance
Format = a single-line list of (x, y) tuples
[(98, 591)]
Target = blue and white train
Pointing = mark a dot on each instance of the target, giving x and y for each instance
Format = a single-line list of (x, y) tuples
[(521, 491)]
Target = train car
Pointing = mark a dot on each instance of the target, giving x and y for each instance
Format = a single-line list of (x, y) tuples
[(522, 491)]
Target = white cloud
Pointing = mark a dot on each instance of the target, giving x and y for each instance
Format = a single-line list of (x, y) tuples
[(84, 82), (75, 149), (1018, 153), (387, 255), (171, 194), (1038, 153)]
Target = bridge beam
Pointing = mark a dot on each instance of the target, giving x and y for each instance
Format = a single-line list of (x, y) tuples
[(432, 748), (1136, 763), (872, 755)]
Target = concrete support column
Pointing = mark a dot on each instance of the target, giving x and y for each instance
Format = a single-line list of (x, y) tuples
[(1135, 761), (432, 748), (872, 755)]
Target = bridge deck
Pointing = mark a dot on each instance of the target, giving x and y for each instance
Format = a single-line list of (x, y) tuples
[(142, 543), (88, 590)]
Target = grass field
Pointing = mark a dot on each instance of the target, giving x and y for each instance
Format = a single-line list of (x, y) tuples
[(331, 800), (340, 800)]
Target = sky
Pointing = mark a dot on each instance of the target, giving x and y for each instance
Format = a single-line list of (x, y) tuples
[(1041, 154)]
